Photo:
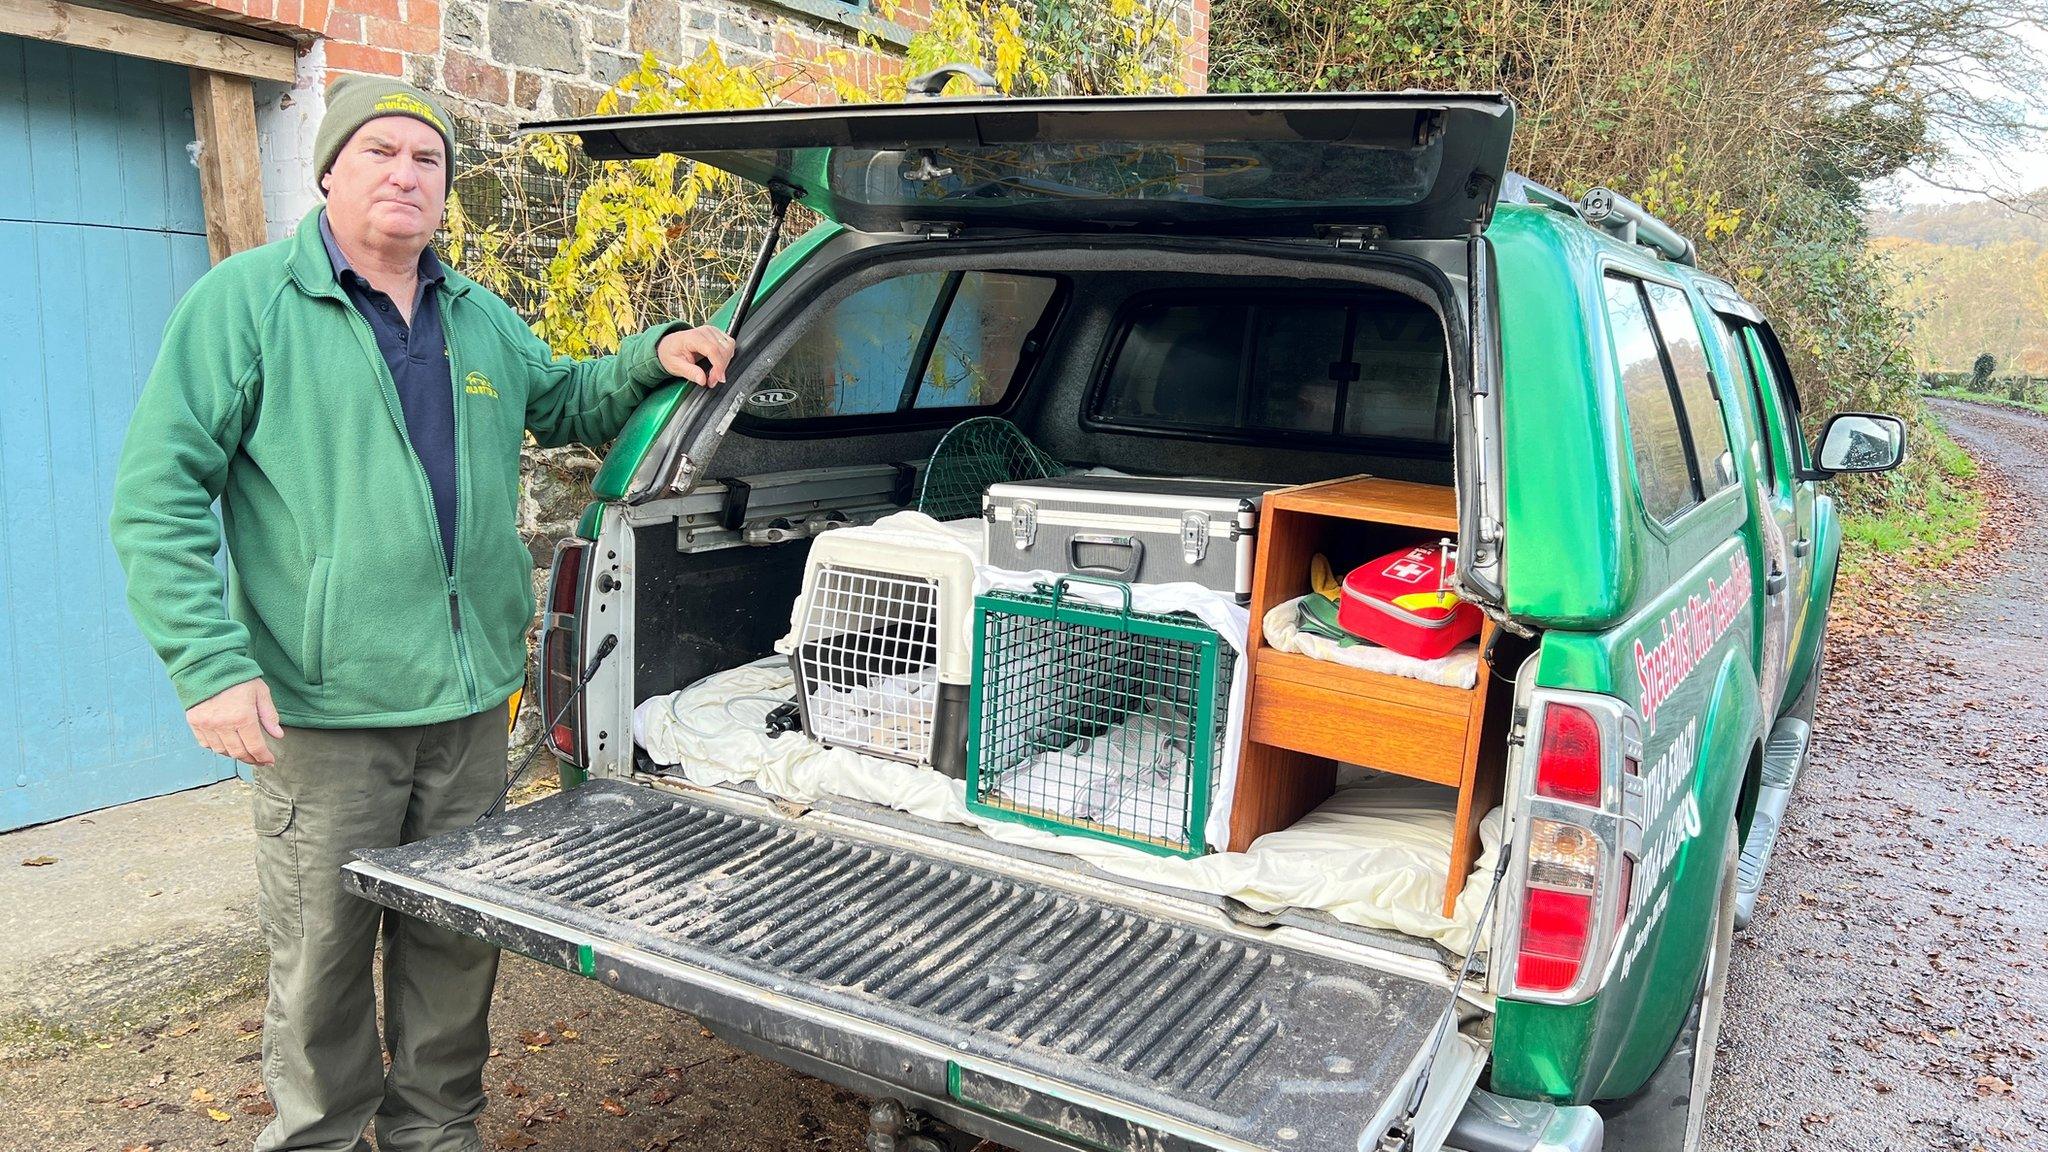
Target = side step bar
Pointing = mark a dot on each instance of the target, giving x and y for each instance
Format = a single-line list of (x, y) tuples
[(1784, 756)]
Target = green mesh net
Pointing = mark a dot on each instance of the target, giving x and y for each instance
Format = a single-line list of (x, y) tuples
[(973, 455)]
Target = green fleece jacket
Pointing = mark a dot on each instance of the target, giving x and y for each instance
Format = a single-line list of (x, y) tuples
[(270, 396)]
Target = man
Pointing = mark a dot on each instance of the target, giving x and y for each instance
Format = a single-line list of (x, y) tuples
[(357, 409)]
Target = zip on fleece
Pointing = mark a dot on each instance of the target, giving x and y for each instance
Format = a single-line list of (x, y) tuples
[(447, 303), (367, 341)]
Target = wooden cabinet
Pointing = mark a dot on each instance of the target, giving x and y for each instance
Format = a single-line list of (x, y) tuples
[(1304, 715)]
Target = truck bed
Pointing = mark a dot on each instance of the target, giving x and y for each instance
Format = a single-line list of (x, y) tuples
[(1042, 1005)]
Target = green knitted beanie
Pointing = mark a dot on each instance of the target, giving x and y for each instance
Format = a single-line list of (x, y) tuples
[(354, 101)]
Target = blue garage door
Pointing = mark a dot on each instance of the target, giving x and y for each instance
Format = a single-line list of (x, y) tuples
[(100, 231)]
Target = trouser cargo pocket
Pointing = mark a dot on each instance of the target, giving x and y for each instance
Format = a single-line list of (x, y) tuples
[(278, 903)]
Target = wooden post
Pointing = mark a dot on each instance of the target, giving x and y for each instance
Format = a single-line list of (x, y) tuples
[(230, 183)]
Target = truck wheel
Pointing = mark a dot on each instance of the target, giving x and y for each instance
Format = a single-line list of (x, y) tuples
[(1705, 1019), (1669, 1111)]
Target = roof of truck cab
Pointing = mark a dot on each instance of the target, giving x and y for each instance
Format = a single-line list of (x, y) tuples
[(1719, 293)]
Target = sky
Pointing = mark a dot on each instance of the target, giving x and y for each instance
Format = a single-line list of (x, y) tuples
[(2021, 170)]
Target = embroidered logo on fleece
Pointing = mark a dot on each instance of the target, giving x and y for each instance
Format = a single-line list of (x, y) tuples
[(478, 384), (409, 105)]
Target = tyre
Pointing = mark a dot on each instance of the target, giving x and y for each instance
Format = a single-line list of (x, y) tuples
[(1705, 1018), (1669, 1111)]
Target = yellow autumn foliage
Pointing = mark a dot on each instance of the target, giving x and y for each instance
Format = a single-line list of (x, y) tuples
[(640, 240)]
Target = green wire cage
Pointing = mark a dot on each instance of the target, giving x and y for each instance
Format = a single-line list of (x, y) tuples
[(1096, 721)]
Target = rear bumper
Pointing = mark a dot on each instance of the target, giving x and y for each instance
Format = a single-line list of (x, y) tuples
[(1493, 1123)]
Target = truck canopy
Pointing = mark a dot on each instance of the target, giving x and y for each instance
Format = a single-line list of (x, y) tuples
[(1421, 166)]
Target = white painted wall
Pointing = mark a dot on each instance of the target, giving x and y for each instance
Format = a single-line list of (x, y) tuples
[(286, 119)]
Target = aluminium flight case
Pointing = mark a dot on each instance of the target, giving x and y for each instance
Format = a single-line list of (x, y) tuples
[(1134, 529)]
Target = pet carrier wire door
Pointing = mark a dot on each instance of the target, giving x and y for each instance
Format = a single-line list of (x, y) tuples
[(1096, 721), (880, 650)]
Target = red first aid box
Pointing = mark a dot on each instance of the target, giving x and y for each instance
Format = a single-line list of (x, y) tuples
[(1403, 601)]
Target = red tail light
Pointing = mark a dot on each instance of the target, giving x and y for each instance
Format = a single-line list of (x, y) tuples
[(1575, 870), (1556, 927), (1569, 765), (561, 649), (1563, 876), (565, 583)]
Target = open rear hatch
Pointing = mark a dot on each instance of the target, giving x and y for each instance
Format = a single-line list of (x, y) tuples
[(1041, 1004), (1420, 165)]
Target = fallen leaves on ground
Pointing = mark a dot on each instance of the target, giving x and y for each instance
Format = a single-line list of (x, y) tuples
[(612, 1106), (38, 861), (545, 1109), (1991, 1086)]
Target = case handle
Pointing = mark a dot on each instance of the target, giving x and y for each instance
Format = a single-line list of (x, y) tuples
[(1059, 590), (1127, 573)]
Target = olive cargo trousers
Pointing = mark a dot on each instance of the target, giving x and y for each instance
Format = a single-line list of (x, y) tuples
[(332, 791)]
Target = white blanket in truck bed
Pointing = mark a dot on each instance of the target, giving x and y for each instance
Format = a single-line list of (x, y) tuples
[(1458, 668), (1375, 854)]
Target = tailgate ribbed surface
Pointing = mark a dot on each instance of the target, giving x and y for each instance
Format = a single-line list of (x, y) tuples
[(978, 951), (1180, 1018)]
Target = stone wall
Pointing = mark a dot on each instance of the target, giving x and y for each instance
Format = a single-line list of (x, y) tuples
[(502, 61), (518, 58)]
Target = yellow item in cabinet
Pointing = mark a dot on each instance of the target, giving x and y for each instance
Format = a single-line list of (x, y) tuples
[(1323, 578)]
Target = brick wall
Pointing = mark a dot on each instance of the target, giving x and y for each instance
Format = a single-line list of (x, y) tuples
[(500, 61)]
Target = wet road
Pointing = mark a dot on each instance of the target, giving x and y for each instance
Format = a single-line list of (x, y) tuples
[(1893, 989)]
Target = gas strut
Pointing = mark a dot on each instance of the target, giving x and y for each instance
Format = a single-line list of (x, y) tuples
[(1401, 1136), (780, 197), (604, 649)]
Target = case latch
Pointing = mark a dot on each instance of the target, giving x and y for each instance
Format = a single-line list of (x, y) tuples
[(1024, 524), (1194, 536)]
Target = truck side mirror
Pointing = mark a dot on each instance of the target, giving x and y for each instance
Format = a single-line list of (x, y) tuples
[(1860, 442)]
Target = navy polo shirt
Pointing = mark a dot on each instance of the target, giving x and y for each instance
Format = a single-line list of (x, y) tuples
[(418, 358)]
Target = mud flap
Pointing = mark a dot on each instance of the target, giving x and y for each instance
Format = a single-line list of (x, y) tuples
[(1047, 1006)]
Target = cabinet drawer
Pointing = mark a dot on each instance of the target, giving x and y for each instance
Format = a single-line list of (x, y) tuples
[(1416, 742)]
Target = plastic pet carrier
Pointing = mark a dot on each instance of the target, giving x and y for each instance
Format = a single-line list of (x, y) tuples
[(880, 650), (1096, 721)]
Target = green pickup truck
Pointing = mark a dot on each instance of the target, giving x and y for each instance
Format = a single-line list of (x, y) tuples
[(1284, 289)]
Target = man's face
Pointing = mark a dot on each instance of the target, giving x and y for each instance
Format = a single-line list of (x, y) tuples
[(388, 184)]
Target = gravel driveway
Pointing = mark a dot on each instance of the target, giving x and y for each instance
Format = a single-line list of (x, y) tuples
[(1892, 991)]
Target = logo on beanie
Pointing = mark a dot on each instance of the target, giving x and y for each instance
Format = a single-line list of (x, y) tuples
[(406, 104), (478, 384)]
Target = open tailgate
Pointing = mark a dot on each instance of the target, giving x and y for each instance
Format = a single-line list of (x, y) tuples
[(1040, 1005)]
